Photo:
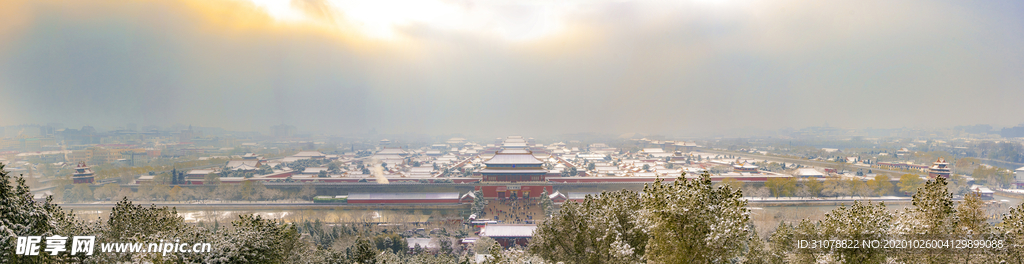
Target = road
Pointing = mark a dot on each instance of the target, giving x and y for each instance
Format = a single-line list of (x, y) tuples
[(827, 164)]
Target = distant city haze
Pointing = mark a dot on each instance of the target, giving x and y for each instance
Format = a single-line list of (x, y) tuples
[(516, 67)]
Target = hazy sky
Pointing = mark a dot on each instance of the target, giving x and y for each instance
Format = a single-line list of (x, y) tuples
[(512, 67)]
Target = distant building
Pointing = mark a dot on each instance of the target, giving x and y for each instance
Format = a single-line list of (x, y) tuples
[(557, 197), (939, 169), (748, 168), (514, 142), (513, 174), (310, 155), (82, 174), (984, 192), (509, 235), (282, 131), (243, 165), (808, 173), (1019, 180)]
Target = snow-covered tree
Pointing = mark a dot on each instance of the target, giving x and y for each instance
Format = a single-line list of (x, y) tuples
[(546, 204), (479, 204), (603, 229), (20, 215), (691, 221)]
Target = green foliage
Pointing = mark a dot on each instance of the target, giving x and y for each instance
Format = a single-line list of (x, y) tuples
[(255, 240), (781, 186), (734, 183), (814, 187), (992, 175), (106, 192), (22, 216), (546, 205), (690, 221), (479, 204), (910, 183), (603, 229), (881, 185), (391, 241), (80, 193), (1013, 231), (687, 221), (858, 222), (364, 251)]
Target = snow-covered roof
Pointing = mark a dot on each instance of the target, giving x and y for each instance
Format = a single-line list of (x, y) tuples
[(310, 154), (504, 158), (503, 230), (808, 172)]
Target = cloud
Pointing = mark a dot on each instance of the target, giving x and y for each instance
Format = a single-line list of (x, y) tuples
[(676, 68)]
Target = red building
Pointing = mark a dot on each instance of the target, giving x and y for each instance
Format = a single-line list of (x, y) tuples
[(939, 169), (83, 174), (513, 174)]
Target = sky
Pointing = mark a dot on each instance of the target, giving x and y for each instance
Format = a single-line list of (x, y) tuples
[(512, 67)]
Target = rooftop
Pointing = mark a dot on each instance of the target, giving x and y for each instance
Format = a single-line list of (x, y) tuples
[(501, 230)]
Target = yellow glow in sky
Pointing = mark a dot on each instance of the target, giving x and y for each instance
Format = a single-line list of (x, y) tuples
[(384, 19)]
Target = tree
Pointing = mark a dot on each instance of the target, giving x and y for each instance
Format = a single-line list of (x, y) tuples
[(321, 174), (334, 167), (910, 183), (211, 179), (603, 229), (593, 166), (546, 205), (834, 187), (732, 182), (23, 216), (932, 215), (689, 221), (781, 186), (81, 192), (255, 240), (814, 186), (858, 187), (364, 251), (479, 204), (106, 192), (881, 185), (265, 169), (971, 225), (483, 244), (1013, 229), (307, 192), (248, 190), (175, 193), (858, 222)]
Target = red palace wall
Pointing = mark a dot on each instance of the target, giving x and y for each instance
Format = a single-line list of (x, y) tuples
[(492, 191)]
